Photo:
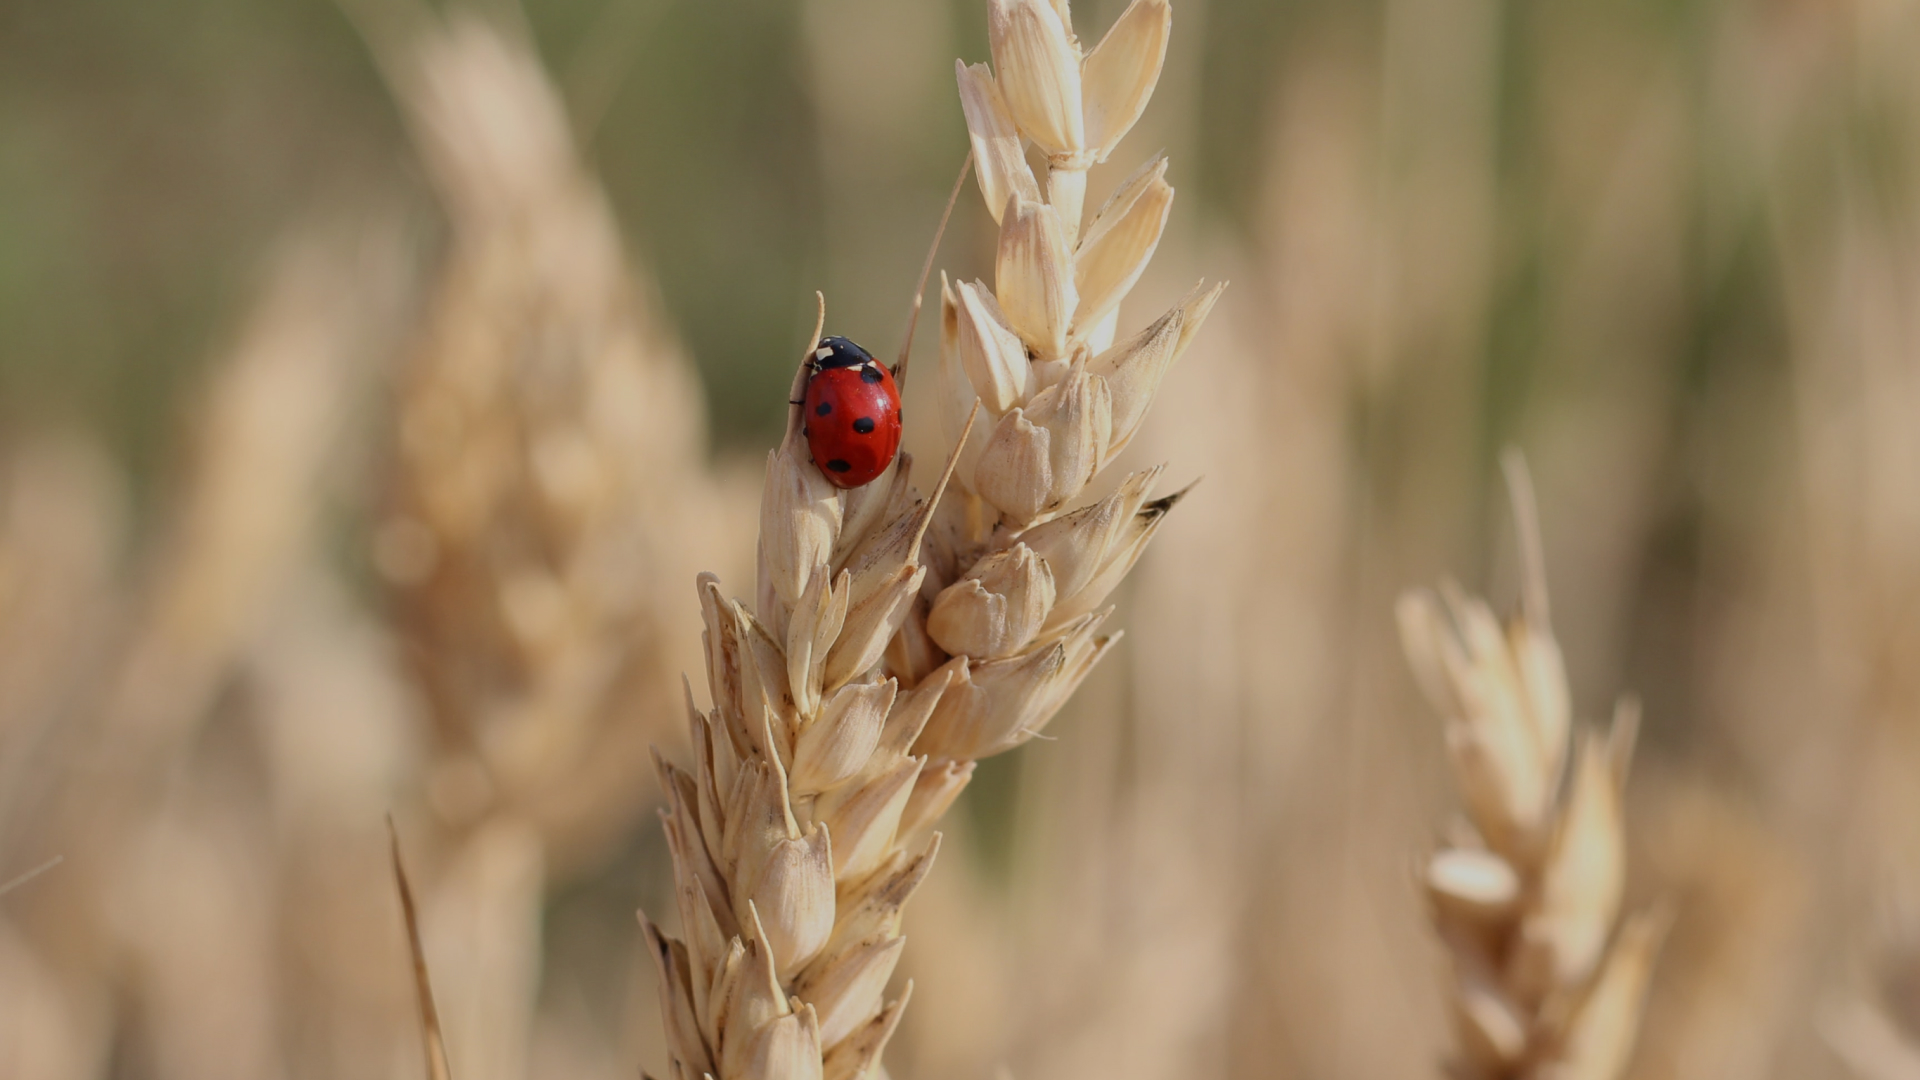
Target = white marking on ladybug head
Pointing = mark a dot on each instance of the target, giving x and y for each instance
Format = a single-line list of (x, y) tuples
[(823, 354)]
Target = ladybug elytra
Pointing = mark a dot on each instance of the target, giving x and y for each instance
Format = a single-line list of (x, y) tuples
[(851, 411)]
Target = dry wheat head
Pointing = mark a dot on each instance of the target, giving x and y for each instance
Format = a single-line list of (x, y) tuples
[(894, 639), (1548, 981)]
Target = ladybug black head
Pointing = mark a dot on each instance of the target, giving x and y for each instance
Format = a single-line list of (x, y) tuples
[(838, 352)]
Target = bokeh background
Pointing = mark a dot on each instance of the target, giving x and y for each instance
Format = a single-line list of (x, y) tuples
[(374, 377)]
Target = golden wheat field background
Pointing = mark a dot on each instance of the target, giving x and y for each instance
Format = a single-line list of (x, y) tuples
[(377, 377)]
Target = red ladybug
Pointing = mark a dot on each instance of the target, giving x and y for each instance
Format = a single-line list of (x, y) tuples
[(851, 411)]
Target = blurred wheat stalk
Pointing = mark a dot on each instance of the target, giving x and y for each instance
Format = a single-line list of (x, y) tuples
[(166, 893), (545, 425), (1848, 241), (550, 484)]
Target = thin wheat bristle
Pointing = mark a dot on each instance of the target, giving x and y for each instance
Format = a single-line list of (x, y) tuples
[(433, 1044)]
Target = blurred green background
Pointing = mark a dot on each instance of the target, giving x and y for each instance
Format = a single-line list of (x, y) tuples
[(150, 153)]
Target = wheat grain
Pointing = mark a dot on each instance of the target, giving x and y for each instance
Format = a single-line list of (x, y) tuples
[(895, 639), (1548, 982)]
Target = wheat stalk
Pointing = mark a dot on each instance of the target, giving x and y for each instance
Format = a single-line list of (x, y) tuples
[(1549, 980), (893, 639)]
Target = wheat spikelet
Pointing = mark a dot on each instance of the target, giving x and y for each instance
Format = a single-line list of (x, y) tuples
[(1549, 981), (894, 639)]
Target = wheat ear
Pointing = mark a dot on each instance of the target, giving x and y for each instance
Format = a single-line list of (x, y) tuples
[(1549, 981), (544, 411), (893, 640)]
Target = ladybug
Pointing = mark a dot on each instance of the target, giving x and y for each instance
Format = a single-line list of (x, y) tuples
[(850, 412)]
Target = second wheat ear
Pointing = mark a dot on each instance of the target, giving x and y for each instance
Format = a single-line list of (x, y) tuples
[(892, 640), (1548, 977)]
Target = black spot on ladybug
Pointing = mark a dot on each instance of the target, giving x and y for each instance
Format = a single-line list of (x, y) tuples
[(825, 408), (839, 465), (870, 374), (864, 425)]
